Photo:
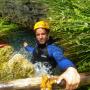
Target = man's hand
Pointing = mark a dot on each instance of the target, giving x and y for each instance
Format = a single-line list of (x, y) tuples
[(25, 44), (72, 78)]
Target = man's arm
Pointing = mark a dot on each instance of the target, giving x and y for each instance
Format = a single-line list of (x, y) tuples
[(70, 74), (57, 54), (27, 47), (72, 78)]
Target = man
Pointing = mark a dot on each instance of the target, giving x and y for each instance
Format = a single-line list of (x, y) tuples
[(48, 53)]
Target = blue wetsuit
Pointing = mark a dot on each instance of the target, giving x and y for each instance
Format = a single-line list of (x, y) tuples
[(54, 52)]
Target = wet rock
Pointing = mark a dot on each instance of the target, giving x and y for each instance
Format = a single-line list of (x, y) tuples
[(17, 67), (5, 53)]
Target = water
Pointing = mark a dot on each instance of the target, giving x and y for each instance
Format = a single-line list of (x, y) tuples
[(24, 53), (40, 68)]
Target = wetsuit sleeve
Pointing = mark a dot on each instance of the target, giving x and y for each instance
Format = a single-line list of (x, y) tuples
[(29, 48), (62, 61)]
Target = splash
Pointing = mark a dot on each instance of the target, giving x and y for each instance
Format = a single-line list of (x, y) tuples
[(40, 68)]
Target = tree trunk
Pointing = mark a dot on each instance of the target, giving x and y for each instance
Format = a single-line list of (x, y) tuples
[(33, 83)]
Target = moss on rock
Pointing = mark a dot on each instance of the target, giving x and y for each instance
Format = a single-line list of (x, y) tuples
[(16, 67), (5, 53)]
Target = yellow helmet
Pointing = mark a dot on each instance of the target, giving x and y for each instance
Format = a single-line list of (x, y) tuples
[(41, 24)]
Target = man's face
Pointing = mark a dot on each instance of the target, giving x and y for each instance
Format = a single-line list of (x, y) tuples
[(41, 35)]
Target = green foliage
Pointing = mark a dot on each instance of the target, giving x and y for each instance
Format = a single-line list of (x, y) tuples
[(22, 12), (5, 29), (5, 26)]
